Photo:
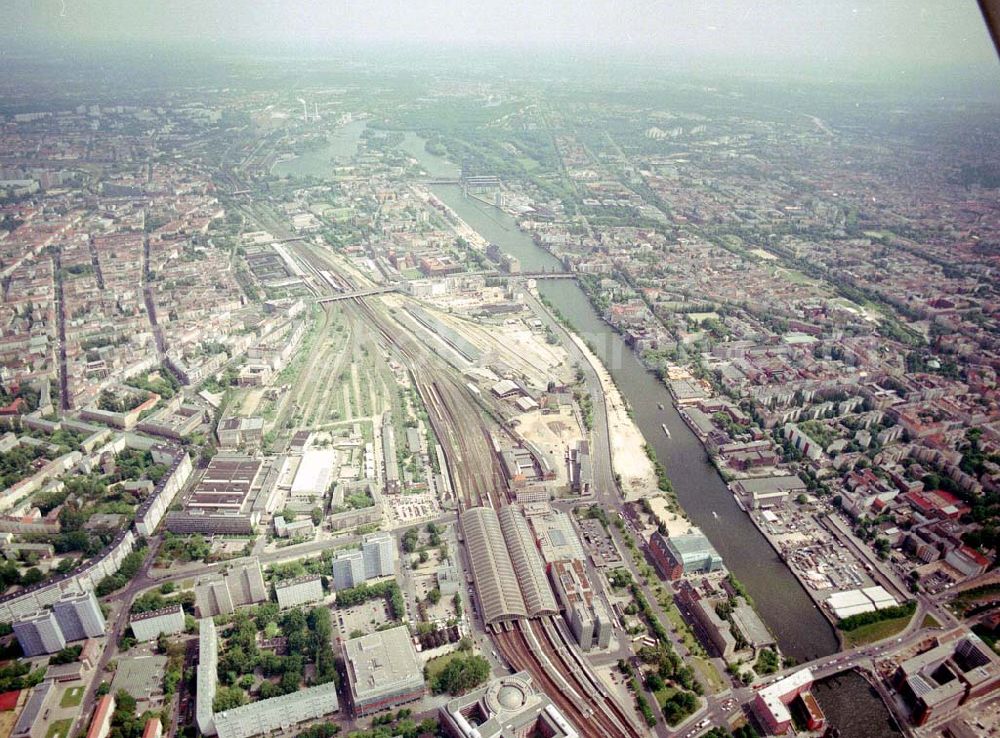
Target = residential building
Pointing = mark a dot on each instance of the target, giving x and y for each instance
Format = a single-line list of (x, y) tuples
[(148, 626), (348, 569), (79, 616), (299, 591), (277, 713), (100, 724), (379, 550), (31, 723), (207, 676), (39, 634), (241, 584)]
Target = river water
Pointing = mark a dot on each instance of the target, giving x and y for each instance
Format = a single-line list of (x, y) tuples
[(341, 146), (802, 631)]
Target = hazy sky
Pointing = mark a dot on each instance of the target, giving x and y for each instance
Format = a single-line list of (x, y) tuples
[(848, 33)]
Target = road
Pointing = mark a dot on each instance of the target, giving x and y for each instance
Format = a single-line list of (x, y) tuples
[(124, 599)]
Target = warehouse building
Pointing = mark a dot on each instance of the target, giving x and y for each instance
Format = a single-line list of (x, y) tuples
[(148, 626), (382, 671), (508, 707), (856, 601), (79, 616), (497, 587), (299, 591), (39, 634)]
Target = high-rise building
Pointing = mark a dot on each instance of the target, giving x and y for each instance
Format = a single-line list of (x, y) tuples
[(348, 569), (79, 616), (39, 634), (220, 594), (379, 550)]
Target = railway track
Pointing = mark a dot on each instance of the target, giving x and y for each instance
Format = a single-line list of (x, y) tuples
[(473, 464)]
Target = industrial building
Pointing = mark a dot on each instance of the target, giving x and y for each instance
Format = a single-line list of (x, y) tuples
[(148, 626), (764, 491), (508, 707), (382, 670), (79, 616), (677, 556), (499, 592), (389, 455), (39, 634), (299, 591), (277, 713), (947, 676), (313, 480), (229, 498), (207, 676), (241, 584), (586, 614)]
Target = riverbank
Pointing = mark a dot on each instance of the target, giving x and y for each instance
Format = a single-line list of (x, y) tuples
[(633, 468)]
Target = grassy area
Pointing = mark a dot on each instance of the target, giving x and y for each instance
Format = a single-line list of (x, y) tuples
[(874, 632), (930, 622), (72, 697), (60, 728), (662, 695), (711, 675), (678, 622), (436, 665)]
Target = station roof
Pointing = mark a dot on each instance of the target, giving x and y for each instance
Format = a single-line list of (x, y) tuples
[(528, 565), (492, 567)]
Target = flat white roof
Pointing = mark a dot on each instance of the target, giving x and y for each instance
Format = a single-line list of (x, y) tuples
[(774, 694), (879, 596), (315, 472)]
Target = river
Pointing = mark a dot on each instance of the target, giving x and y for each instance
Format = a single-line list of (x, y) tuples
[(802, 631), (341, 146)]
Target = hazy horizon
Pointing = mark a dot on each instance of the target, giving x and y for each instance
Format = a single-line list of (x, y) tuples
[(895, 37)]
